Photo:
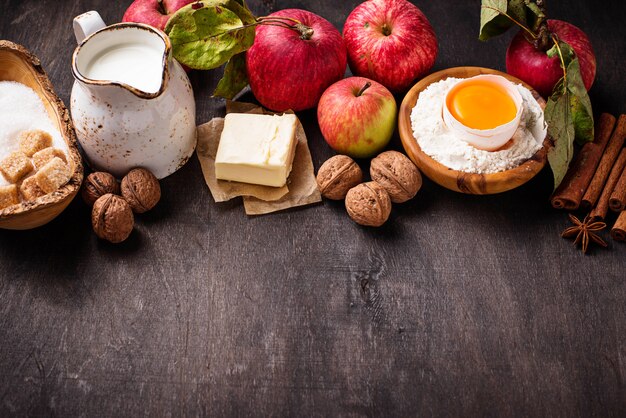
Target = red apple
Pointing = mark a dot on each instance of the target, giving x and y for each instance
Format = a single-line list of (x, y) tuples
[(155, 13), (390, 41), (289, 68), (357, 116), (542, 72)]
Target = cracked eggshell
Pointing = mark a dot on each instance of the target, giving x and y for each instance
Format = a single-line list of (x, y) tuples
[(485, 139)]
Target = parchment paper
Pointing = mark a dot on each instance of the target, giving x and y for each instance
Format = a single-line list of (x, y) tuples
[(301, 188)]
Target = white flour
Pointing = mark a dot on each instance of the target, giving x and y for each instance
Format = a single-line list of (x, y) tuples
[(21, 109), (436, 140)]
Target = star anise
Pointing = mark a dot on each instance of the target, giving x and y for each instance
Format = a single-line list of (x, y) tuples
[(584, 232)]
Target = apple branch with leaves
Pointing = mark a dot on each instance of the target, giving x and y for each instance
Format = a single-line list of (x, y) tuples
[(208, 34), (568, 112)]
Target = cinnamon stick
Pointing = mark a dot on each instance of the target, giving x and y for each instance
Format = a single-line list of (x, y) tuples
[(607, 161), (602, 208), (618, 233), (571, 190), (617, 201)]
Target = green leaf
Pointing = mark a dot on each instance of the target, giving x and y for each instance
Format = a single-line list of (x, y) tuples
[(493, 20), (517, 10), (553, 52), (207, 34), (568, 113), (240, 8), (565, 50), (235, 78)]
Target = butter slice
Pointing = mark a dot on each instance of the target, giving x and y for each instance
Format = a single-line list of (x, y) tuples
[(257, 149)]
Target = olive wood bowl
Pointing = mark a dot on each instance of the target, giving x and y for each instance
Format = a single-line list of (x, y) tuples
[(18, 64), (460, 181)]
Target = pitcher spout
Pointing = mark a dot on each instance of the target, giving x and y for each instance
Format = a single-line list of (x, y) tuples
[(131, 56)]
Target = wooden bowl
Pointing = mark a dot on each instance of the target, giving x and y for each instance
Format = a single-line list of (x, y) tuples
[(18, 64), (460, 181)]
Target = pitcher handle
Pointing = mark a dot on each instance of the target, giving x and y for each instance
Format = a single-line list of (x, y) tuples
[(86, 24)]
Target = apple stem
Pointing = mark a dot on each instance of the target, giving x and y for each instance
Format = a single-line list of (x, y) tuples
[(543, 41), (306, 32), (558, 48), (365, 87)]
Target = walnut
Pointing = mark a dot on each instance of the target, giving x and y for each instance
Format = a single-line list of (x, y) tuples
[(141, 190), (338, 175), (98, 184), (368, 204), (112, 218), (397, 174)]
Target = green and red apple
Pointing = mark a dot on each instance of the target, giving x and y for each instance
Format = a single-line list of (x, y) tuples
[(357, 116)]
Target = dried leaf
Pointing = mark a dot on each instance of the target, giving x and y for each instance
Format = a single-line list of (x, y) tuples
[(581, 104), (534, 16), (561, 128), (568, 113), (497, 16), (493, 20)]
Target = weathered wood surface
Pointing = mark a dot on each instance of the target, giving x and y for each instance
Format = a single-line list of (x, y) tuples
[(461, 305)]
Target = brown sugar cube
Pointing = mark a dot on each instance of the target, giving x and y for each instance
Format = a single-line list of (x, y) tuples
[(43, 157), (33, 141), (8, 196), (53, 175), (15, 166), (30, 190)]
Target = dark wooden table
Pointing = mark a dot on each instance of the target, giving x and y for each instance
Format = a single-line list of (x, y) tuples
[(460, 305)]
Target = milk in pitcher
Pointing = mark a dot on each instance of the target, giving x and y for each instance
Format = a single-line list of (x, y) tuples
[(137, 65)]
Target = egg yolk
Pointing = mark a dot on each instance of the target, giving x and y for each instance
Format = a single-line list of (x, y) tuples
[(481, 105)]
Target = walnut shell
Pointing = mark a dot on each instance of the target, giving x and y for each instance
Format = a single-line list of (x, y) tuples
[(141, 190), (112, 218), (397, 174), (337, 175), (368, 204), (98, 184)]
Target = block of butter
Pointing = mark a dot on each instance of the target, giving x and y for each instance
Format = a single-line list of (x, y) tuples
[(257, 149)]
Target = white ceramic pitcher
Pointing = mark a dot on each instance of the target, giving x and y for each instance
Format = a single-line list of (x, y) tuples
[(148, 119)]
